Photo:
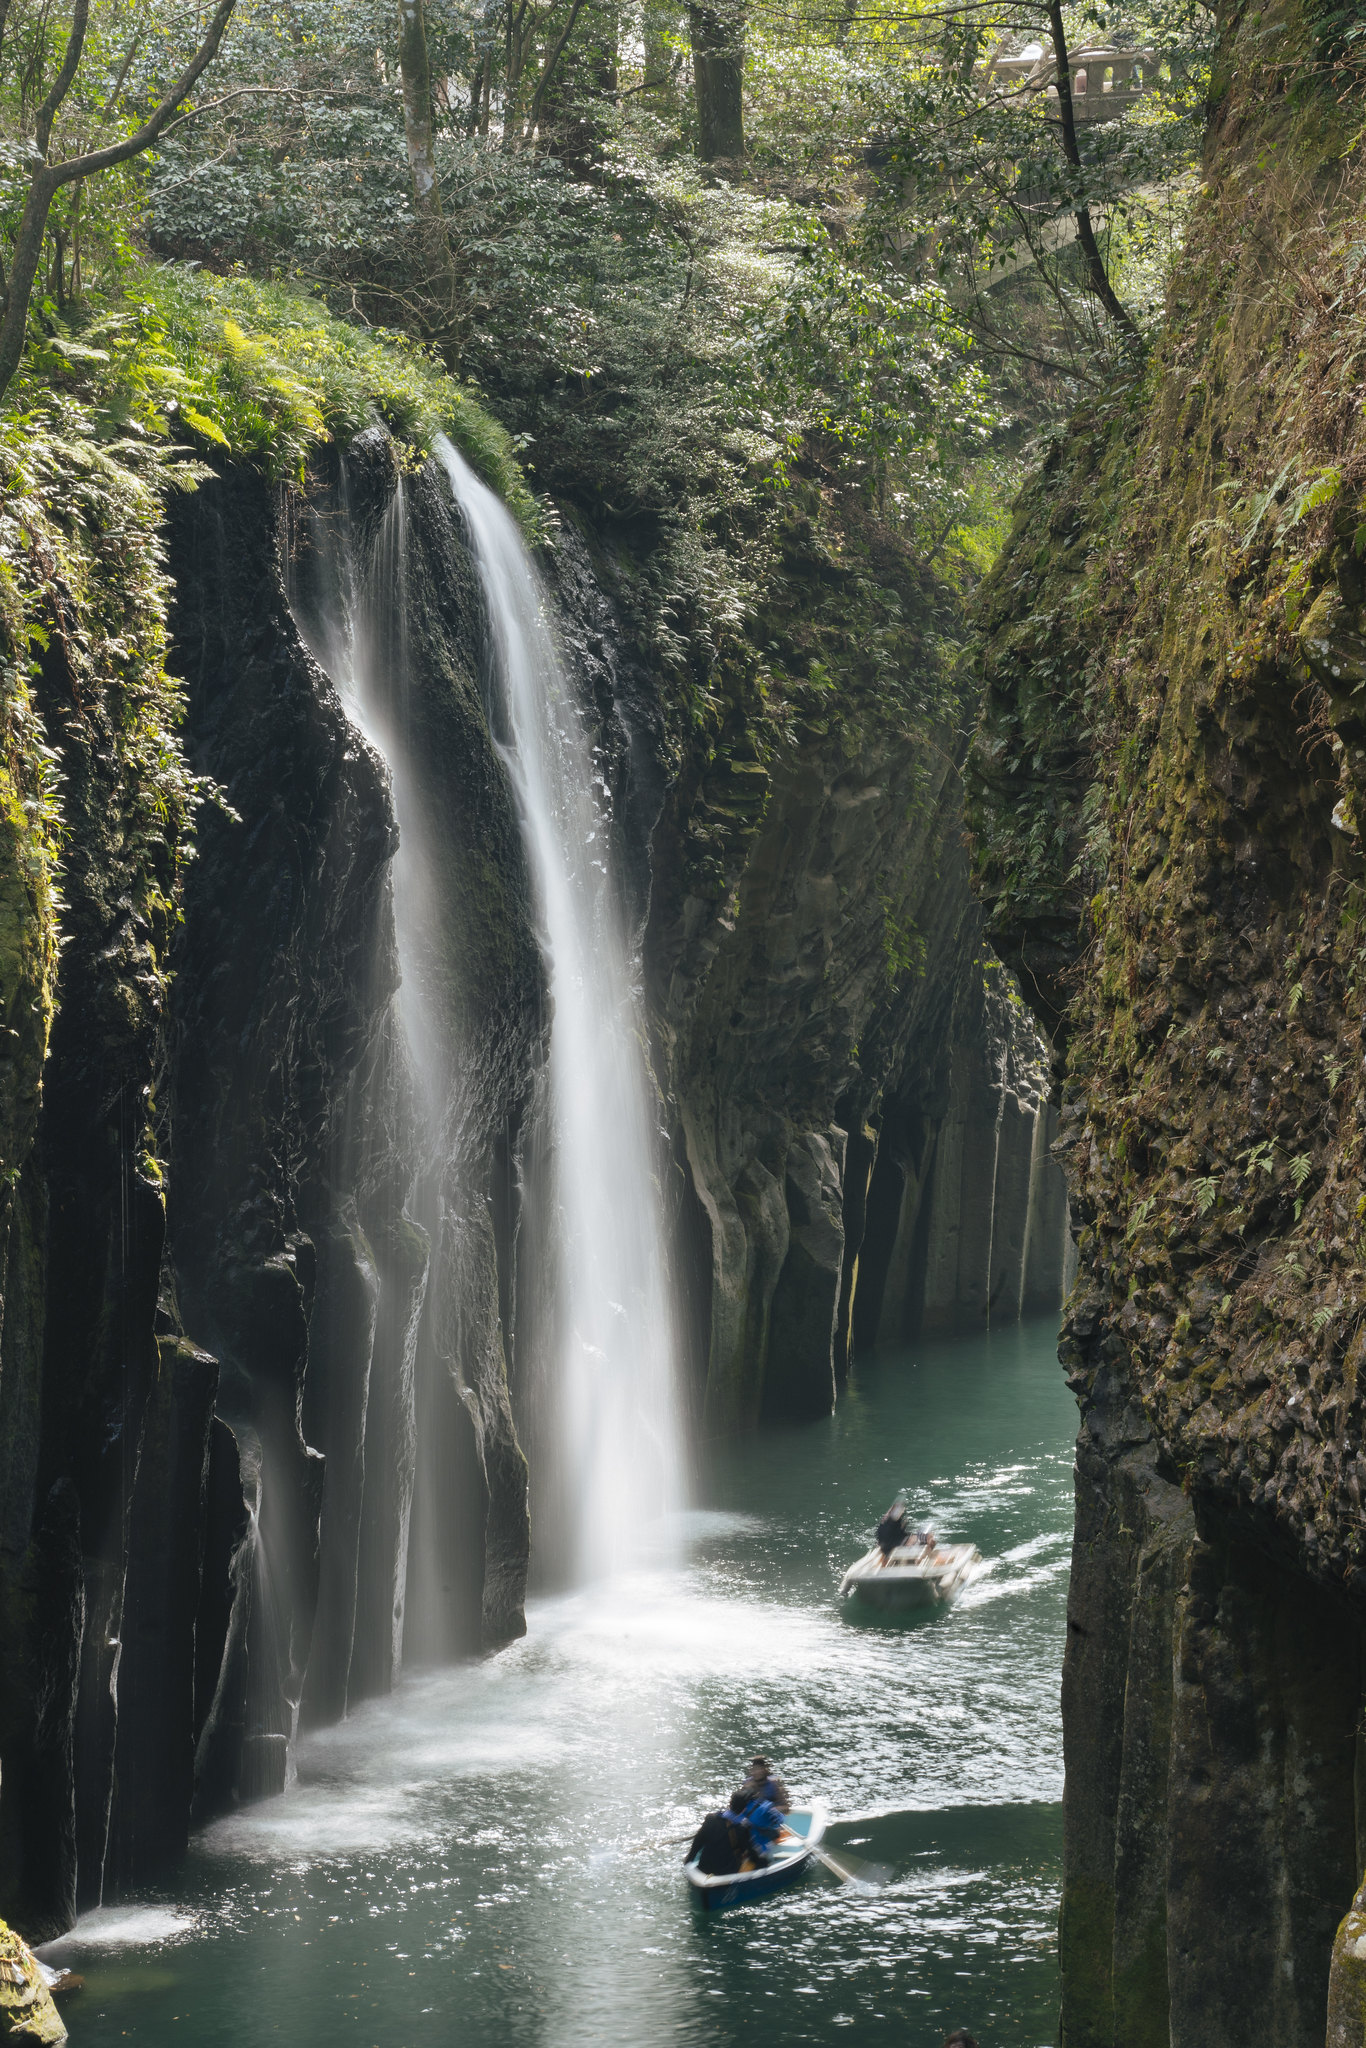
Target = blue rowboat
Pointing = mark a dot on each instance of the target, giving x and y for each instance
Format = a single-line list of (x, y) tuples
[(788, 1858)]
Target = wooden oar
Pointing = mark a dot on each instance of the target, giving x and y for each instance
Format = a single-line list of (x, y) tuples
[(857, 1871), (836, 1869)]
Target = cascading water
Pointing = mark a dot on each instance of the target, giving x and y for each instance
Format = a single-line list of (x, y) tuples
[(355, 618), (613, 1376)]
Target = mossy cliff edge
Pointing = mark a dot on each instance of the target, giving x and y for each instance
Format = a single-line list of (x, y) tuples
[(1167, 797), (223, 1327)]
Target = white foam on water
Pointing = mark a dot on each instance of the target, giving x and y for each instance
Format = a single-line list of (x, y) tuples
[(123, 1927)]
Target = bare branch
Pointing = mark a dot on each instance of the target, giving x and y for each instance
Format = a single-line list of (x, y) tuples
[(107, 109), (61, 84), (97, 160), (300, 95)]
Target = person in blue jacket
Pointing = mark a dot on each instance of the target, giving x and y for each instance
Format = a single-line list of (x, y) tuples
[(761, 1817), (763, 1782)]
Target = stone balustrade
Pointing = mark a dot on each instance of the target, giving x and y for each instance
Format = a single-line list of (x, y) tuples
[(1105, 82)]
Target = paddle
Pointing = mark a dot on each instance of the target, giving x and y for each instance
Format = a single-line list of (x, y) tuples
[(836, 1869), (855, 1869)]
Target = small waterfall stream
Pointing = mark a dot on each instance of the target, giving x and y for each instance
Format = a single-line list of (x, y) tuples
[(613, 1369)]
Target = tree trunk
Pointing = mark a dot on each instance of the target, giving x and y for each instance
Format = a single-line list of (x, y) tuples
[(417, 107), (1096, 274), (718, 63), (27, 255)]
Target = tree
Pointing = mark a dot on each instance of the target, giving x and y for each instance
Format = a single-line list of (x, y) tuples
[(415, 66), (1097, 277), (993, 179), (718, 64), (46, 179)]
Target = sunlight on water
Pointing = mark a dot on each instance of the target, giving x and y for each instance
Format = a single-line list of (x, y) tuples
[(476, 1861)]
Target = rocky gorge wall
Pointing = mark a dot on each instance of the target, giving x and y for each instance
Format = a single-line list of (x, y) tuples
[(1164, 799), (227, 1345), (267, 1371), (858, 1100)]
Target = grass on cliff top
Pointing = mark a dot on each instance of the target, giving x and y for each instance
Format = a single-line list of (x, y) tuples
[(262, 371)]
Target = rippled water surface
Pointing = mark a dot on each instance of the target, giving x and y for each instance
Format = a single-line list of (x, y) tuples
[(471, 1861)]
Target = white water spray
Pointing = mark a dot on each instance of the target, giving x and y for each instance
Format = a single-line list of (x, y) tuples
[(614, 1377)]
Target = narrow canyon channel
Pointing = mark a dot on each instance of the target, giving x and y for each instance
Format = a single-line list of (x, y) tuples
[(467, 1862)]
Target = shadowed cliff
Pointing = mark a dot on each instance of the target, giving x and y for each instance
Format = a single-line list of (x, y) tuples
[(271, 1366), (1164, 793)]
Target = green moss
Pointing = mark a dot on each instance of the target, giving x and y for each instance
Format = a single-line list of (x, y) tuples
[(1086, 1929), (263, 371), (1142, 2002)]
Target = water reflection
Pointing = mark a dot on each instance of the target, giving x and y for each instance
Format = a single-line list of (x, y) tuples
[(472, 1862)]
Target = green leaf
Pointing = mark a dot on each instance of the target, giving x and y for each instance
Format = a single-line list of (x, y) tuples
[(202, 424)]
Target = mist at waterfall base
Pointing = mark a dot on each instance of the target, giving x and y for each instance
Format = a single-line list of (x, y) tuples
[(466, 1862)]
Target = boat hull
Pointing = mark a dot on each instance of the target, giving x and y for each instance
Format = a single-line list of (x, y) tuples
[(716, 1894), (903, 1584)]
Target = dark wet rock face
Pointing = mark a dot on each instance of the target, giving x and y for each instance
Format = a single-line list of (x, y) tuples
[(857, 1109), (257, 1432), (867, 1150), (270, 1360), (1185, 884), (340, 1269)]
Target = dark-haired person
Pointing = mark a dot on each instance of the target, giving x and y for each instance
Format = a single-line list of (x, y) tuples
[(960, 2038), (763, 1782), (724, 1844), (892, 1530)]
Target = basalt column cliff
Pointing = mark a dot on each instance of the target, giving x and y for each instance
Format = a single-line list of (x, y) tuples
[(1168, 801), (271, 1398)]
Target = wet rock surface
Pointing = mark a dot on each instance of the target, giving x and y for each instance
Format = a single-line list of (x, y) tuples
[(220, 1387), (1195, 934), (841, 1066), (27, 2011), (269, 1353)]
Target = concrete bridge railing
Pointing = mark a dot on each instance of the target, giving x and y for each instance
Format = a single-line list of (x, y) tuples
[(1105, 82)]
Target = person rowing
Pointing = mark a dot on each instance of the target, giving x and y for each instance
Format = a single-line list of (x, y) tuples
[(740, 1836), (762, 1782), (765, 1821), (892, 1531)]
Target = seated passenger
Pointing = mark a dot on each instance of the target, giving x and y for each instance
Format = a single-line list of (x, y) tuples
[(762, 1783), (891, 1530), (717, 1848)]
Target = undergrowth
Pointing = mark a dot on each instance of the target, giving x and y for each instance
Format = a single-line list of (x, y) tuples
[(261, 371)]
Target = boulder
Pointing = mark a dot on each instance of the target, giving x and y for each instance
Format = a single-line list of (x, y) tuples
[(26, 2009)]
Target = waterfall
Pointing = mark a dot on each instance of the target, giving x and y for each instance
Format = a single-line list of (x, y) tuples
[(354, 617), (612, 1372)]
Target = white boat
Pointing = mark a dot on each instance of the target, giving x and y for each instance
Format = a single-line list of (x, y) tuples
[(917, 1574), (787, 1859)]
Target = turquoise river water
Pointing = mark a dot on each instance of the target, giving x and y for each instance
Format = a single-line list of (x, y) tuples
[(470, 1863)]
